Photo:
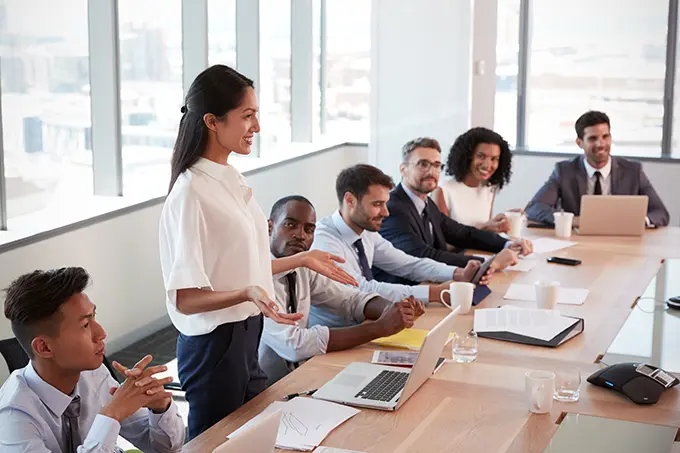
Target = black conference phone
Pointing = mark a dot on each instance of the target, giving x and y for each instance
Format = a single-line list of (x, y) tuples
[(674, 303), (640, 382)]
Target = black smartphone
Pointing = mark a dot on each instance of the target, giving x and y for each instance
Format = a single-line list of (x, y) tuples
[(483, 268), (567, 261)]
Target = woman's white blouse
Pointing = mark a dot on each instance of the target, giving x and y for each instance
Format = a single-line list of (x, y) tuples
[(213, 235), (468, 205)]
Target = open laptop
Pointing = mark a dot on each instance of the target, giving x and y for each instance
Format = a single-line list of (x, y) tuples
[(258, 438), (388, 387), (613, 215)]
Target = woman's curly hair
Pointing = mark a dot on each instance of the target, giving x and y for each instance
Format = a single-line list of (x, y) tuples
[(462, 152)]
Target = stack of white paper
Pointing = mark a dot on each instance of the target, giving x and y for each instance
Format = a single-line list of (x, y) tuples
[(534, 323), (333, 450), (548, 245), (305, 422), (568, 296), (524, 265)]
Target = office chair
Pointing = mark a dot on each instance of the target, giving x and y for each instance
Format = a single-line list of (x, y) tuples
[(13, 353), (16, 358)]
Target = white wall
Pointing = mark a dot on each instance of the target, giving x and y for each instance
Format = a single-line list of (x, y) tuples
[(121, 254), (484, 63), (421, 54), (530, 172)]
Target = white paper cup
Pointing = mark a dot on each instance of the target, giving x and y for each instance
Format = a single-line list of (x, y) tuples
[(546, 294), (563, 224), (515, 219), (539, 388), (461, 295)]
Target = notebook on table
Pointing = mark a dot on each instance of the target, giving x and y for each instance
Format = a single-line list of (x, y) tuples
[(527, 326)]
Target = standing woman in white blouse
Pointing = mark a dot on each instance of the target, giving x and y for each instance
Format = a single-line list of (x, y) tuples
[(214, 251), (478, 166)]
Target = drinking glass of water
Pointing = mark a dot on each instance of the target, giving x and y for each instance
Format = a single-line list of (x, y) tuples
[(567, 384), (465, 347)]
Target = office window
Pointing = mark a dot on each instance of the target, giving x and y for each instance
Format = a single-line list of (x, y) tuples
[(675, 136), (222, 32), (317, 79), (150, 90), (507, 51), (45, 103), (606, 55), (275, 51), (348, 64)]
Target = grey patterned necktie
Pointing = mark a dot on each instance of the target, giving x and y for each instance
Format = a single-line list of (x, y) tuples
[(69, 426)]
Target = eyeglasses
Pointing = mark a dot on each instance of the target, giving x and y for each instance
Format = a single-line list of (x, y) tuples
[(425, 165)]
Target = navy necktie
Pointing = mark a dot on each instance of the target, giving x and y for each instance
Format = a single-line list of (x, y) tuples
[(598, 183), (363, 261)]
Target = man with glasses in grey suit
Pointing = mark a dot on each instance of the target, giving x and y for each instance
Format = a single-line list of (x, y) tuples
[(594, 173)]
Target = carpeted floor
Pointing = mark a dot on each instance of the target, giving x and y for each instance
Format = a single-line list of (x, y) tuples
[(161, 345)]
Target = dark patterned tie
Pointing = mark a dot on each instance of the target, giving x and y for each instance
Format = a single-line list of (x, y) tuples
[(598, 183), (363, 261), (292, 292), (292, 306), (429, 240), (69, 426)]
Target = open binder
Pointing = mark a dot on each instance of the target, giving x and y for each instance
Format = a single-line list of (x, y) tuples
[(532, 327)]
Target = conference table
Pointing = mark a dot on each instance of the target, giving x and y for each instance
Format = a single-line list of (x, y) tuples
[(481, 406)]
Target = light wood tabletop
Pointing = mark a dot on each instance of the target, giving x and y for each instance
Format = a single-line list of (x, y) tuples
[(481, 407), (656, 242)]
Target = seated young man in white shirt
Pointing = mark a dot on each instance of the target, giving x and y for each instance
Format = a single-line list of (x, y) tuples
[(352, 234), (291, 231), (65, 400)]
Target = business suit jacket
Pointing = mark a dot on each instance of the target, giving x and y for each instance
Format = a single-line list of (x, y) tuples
[(569, 181), (404, 228)]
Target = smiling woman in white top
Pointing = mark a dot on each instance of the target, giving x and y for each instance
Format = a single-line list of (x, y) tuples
[(478, 166), (214, 251)]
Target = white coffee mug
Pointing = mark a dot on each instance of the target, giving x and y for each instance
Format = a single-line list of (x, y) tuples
[(563, 224), (515, 219), (461, 296), (546, 294), (539, 388)]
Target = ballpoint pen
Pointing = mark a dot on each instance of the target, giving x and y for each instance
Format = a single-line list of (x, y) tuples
[(293, 395)]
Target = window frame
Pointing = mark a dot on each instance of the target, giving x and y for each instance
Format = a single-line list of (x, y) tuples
[(523, 63), (105, 83)]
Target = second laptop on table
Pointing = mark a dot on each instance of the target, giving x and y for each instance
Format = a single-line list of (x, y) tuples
[(387, 387)]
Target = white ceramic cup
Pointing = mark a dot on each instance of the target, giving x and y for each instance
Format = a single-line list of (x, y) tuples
[(515, 219), (461, 296), (539, 388), (546, 294), (563, 224)]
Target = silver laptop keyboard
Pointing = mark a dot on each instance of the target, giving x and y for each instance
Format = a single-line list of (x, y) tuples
[(384, 386)]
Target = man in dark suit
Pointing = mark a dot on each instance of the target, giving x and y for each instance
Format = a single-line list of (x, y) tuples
[(416, 225), (594, 173)]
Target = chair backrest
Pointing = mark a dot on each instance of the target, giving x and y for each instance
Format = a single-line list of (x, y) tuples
[(16, 357), (13, 353)]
